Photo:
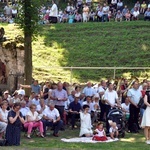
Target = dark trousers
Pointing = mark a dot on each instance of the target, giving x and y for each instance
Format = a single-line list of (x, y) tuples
[(108, 108), (134, 117), (103, 110), (73, 118), (147, 18), (57, 125)]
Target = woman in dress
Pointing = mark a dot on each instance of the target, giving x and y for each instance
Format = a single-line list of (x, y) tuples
[(3, 118), (86, 127), (13, 130), (85, 13), (33, 120), (146, 119)]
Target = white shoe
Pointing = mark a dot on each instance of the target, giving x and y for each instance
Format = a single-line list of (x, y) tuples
[(148, 142)]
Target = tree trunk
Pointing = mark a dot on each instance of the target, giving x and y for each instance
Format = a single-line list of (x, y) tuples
[(28, 44)]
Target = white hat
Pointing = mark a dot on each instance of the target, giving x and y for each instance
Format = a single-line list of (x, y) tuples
[(96, 96)]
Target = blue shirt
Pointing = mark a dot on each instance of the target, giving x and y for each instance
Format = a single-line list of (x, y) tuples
[(134, 95), (89, 91), (36, 88), (75, 106)]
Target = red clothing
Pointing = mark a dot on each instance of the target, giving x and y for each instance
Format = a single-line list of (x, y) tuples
[(98, 138)]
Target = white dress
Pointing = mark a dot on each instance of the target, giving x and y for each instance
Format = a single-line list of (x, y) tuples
[(86, 127), (146, 118)]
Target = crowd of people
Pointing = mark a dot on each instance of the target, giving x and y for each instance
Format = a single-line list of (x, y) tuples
[(59, 105), (82, 11)]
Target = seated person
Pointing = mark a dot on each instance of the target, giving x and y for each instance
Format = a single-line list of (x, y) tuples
[(113, 130), (74, 109), (128, 16), (3, 118), (35, 100), (78, 17), (24, 109), (99, 133), (143, 7), (85, 119), (147, 15), (71, 17), (135, 14), (92, 15), (137, 5), (100, 15), (118, 16), (51, 117), (125, 10), (65, 17), (33, 120), (41, 107)]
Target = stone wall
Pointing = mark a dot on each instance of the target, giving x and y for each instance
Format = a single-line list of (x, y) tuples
[(12, 57)]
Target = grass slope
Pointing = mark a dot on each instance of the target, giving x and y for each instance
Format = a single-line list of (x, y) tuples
[(89, 45)]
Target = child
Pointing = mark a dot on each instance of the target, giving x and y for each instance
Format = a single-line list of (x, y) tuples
[(113, 130), (99, 133)]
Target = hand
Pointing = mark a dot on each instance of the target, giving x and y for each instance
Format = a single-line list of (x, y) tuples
[(17, 113)]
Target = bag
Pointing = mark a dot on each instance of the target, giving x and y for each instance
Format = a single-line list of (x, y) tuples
[(141, 103)]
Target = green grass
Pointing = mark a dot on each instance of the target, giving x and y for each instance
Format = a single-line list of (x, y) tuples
[(130, 142), (122, 44)]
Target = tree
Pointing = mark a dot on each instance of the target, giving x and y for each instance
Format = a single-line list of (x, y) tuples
[(27, 20)]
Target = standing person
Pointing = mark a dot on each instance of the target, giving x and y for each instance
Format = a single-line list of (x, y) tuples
[(53, 13), (35, 87), (146, 119), (86, 126), (85, 13), (59, 96), (111, 98), (13, 130), (134, 95)]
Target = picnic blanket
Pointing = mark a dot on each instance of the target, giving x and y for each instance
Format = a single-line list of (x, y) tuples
[(87, 140)]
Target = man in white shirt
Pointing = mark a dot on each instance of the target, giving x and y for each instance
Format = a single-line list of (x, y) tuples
[(105, 13), (36, 100), (52, 118), (134, 95), (135, 14), (111, 98)]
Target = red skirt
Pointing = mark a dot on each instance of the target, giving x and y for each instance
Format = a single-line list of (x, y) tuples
[(98, 138)]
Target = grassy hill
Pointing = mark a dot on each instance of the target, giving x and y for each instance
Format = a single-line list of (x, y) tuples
[(124, 44)]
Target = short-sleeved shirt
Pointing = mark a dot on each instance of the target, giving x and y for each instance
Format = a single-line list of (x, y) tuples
[(35, 101), (126, 107), (111, 96), (24, 111), (4, 114), (75, 106), (88, 91), (113, 129), (51, 114), (32, 116), (36, 88), (60, 95), (134, 95)]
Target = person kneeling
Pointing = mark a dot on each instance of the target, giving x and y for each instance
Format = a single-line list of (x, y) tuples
[(52, 118)]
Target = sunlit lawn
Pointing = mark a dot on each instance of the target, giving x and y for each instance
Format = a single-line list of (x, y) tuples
[(129, 142)]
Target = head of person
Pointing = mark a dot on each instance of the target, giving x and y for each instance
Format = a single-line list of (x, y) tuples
[(113, 124), (4, 105), (86, 108), (144, 86), (96, 97), (23, 104), (103, 83), (15, 94), (36, 96), (100, 125), (42, 103), (89, 84), (16, 107), (88, 99), (51, 105), (127, 101), (26, 98), (135, 85), (82, 96), (33, 108), (59, 86), (35, 82), (76, 98), (53, 1), (77, 88), (110, 86), (6, 94)]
